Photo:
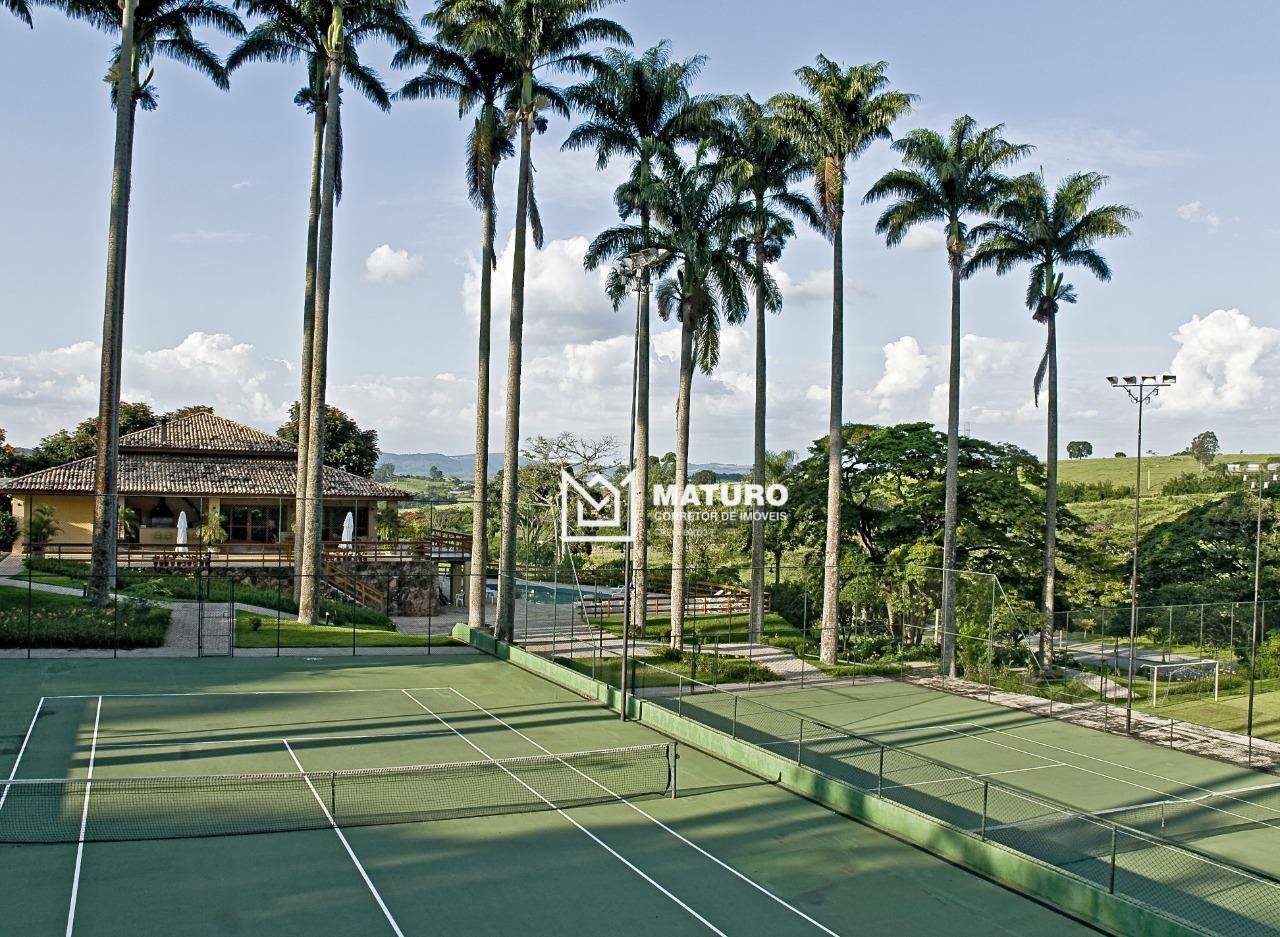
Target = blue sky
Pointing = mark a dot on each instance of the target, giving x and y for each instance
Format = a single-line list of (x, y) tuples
[(1167, 98)]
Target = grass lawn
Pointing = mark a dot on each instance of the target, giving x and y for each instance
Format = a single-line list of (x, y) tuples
[(721, 626), (709, 668), (293, 634), (1156, 470), (43, 619)]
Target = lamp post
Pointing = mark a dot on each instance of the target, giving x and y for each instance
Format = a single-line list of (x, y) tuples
[(1141, 391), (1260, 478), (633, 270)]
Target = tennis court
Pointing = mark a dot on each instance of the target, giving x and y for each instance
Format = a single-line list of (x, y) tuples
[(1219, 809), (457, 796)]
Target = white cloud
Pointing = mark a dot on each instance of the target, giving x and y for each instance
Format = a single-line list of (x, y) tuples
[(563, 301), (924, 238), (905, 369), (1193, 212), (242, 184), (1078, 144), (46, 390), (387, 265), (1223, 364)]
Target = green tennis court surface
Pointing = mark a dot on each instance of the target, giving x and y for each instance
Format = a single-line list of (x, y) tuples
[(1216, 808), (731, 854)]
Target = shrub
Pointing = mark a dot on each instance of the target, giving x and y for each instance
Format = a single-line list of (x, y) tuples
[(1093, 491), (8, 530), (1194, 483)]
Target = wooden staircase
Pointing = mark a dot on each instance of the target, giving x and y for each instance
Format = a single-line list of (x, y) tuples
[(354, 589)]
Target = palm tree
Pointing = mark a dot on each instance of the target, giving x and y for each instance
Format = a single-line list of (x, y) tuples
[(698, 218), (292, 31), (19, 8), (532, 36), (847, 109), (639, 107), (1050, 233), (480, 81), (147, 28), (763, 166), (946, 180)]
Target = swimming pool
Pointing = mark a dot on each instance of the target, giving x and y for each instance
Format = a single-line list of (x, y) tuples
[(546, 593)]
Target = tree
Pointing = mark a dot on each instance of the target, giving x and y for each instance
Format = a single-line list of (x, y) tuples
[(1050, 233), (147, 28), (846, 110), (947, 180), (21, 9), (638, 107), (81, 442), (385, 472), (530, 36), (294, 30), (699, 218), (763, 166), (346, 445), (479, 80), (1079, 449), (1204, 448)]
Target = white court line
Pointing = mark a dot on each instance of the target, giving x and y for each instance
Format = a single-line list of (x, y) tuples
[(1152, 790), (652, 819), (387, 689), (345, 845), (596, 839), (197, 743), (13, 772), (84, 821)]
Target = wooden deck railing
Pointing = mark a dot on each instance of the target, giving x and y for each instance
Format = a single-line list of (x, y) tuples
[(701, 598), (441, 545), (337, 577)]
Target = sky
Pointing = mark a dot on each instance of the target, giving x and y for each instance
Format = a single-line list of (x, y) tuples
[(1167, 98)]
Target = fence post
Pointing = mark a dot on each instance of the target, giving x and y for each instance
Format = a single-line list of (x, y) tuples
[(986, 790), (799, 741), (880, 775), (679, 693), (1112, 885), (333, 796), (734, 731)]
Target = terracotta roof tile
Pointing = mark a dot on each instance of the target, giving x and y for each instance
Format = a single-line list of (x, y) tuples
[(204, 432), (166, 474)]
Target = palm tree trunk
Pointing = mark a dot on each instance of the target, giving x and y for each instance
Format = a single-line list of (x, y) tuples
[(301, 506), (309, 600), (480, 485), (511, 434), (756, 624), (640, 494), (1051, 498), (835, 453), (949, 580), (102, 567), (682, 476)]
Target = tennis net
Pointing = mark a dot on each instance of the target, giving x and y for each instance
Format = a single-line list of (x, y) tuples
[(70, 810)]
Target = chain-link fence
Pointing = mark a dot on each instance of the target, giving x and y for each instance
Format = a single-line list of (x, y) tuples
[(1177, 882)]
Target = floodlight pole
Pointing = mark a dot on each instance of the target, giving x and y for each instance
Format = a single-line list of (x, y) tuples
[(1140, 392), (1261, 478)]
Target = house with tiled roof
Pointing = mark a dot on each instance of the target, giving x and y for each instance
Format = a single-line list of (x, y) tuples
[(213, 470)]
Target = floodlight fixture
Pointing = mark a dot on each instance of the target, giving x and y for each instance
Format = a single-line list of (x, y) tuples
[(1131, 379), (1113, 381)]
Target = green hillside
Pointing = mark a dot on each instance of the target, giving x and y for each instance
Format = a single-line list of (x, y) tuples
[(1156, 470)]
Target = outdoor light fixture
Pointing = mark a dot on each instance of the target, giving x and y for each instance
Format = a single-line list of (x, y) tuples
[(1140, 392), (1259, 478)]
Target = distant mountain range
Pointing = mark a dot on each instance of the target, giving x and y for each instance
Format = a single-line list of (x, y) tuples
[(464, 466)]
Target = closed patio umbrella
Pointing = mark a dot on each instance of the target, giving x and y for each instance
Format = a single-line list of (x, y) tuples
[(182, 532), (348, 531)]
